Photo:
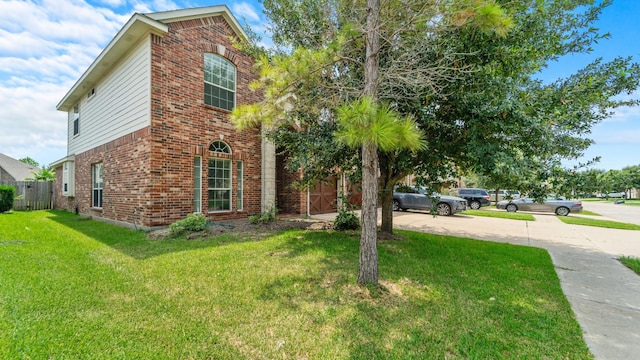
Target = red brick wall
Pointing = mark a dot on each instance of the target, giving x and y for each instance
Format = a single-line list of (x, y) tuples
[(289, 200), (148, 175), (182, 126), (125, 180), (61, 202)]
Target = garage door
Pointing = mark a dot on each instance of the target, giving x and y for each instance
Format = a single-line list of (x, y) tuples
[(323, 198)]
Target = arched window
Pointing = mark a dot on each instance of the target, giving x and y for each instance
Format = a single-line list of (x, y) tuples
[(219, 178), (220, 146), (219, 82)]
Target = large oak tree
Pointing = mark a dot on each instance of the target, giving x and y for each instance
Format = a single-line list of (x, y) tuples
[(464, 70)]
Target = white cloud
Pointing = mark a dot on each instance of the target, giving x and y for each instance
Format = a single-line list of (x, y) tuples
[(32, 128), (151, 6), (625, 114), (45, 46), (245, 10), (64, 20)]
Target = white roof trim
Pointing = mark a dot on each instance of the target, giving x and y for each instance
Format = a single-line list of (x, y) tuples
[(137, 27), (61, 161), (197, 13)]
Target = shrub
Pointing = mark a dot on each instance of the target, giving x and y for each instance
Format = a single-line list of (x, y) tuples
[(346, 220), (193, 222), (265, 217), (7, 195)]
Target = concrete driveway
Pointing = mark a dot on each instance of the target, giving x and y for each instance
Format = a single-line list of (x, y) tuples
[(625, 213), (604, 294)]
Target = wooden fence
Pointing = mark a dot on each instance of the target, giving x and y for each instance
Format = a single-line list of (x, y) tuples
[(32, 195)]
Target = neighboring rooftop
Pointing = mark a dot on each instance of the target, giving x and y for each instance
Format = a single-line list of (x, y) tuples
[(15, 169)]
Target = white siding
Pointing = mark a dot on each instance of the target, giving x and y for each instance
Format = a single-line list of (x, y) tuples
[(68, 179), (121, 104)]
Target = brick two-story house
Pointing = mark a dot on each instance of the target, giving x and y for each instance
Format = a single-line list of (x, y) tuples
[(149, 136)]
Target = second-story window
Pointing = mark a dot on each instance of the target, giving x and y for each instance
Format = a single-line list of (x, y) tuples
[(76, 120), (219, 82)]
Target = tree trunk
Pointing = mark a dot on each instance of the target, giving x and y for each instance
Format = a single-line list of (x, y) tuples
[(387, 211), (390, 177), (368, 273), (371, 65)]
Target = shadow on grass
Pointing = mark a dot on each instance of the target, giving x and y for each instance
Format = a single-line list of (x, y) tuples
[(435, 299), (446, 295), (134, 243)]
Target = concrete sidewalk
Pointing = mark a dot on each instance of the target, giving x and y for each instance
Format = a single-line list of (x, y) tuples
[(603, 293)]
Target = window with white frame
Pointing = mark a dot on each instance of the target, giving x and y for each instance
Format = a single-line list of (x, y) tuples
[(76, 120), (68, 179), (96, 176), (197, 184), (219, 184), (239, 189), (219, 82)]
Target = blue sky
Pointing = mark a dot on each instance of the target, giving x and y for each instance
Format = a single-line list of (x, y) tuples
[(46, 45)]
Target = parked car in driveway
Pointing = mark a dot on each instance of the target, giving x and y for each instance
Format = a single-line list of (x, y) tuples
[(476, 198), (417, 198), (559, 207), (504, 195)]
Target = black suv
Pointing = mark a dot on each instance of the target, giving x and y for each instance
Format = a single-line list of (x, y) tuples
[(476, 198)]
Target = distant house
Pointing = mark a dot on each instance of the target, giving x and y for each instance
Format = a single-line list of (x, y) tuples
[(15, 170), (149, 136)]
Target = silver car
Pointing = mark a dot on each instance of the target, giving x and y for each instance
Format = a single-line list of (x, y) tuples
[(416, 198), (504, 194), (559, 207)]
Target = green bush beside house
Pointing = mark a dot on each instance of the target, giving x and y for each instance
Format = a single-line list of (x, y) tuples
[(7, 195)]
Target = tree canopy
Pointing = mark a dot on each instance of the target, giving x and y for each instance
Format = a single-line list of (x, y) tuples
[(43, 175), (29, 161), (465, 71)]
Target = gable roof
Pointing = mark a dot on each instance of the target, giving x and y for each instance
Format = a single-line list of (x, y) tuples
[(17, 169), (139, 25), (200, 12)]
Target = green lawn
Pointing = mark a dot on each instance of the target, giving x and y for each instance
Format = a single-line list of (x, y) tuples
[(631, 263), (575, 220), (502, 214), (78, 289)]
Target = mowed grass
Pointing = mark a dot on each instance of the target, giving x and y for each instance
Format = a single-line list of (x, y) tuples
[(79, 289), (632, 263), (575, 220), (502, 214)]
